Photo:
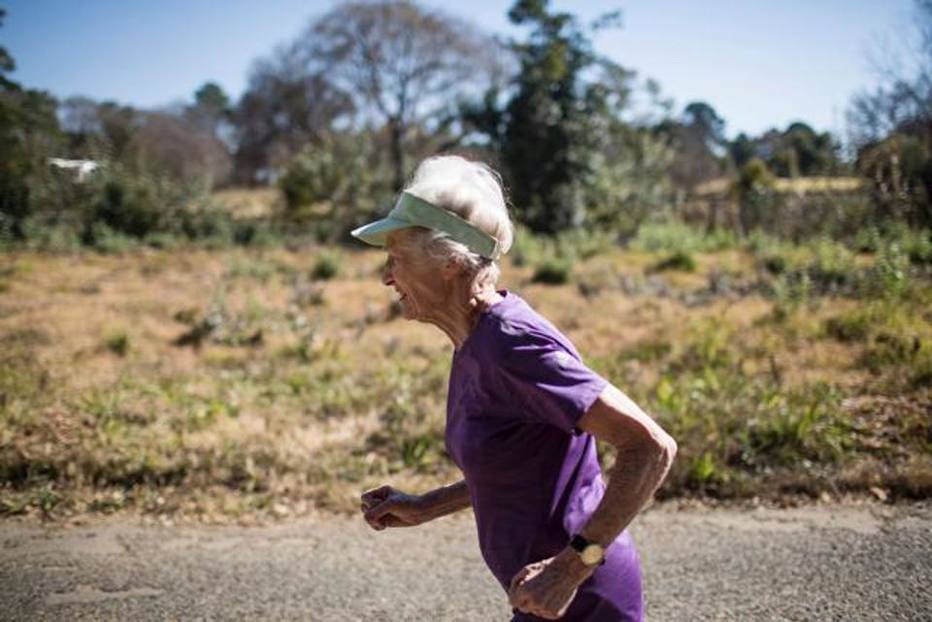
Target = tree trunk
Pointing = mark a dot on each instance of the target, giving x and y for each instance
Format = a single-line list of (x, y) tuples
[(396, 127)]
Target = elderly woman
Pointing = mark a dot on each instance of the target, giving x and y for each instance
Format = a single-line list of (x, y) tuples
[(523, 412)]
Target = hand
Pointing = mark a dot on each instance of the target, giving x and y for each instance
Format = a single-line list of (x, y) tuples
[(547, 588), (387, 507)]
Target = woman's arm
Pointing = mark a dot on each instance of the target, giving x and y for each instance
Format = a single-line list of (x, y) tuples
[(645, 454), (447, 499), (387, 507)]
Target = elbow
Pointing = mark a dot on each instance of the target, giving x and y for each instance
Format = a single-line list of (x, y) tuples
[(669, 448), (663, 449)]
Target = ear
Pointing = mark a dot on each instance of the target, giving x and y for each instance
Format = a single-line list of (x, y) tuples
[(451, 269)]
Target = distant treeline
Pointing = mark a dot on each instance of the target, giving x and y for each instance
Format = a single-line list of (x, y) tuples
[(338, 118)]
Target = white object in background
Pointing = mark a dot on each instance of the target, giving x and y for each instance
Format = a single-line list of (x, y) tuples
[(84, 167)]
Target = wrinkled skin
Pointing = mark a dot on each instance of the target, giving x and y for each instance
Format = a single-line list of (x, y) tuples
[(386, 506), (547, 588)]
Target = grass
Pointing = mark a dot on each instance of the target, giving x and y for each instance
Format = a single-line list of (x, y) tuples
[(243, 384)]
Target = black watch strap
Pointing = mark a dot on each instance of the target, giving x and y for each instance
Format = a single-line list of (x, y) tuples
[(579, 543)]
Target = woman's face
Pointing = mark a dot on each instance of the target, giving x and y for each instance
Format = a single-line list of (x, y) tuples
[(420, 285)]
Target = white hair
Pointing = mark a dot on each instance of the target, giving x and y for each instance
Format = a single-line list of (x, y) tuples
[(472, 191)]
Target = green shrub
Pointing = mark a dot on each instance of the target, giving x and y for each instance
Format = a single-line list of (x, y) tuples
[(888, 278), (674, 236), (679, 260), (849, 327), (117, 342), (648, 350), (582, 243), (832, 265), (891, 349), (326, 267), (790, 291), (107, 240), (553, 272), (529, 249)]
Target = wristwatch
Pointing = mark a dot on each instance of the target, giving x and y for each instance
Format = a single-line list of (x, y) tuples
[(590, 553)]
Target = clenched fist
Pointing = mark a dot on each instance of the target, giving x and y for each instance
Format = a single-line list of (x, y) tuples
[(387, 507)]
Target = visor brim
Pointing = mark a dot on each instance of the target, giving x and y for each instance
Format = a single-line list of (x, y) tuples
[(375, 233)]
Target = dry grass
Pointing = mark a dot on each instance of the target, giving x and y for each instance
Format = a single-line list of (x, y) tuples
[(249, 202), (799, 185), (232, 385)]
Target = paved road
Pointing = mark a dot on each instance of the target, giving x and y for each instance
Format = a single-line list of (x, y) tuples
[(820, 563)]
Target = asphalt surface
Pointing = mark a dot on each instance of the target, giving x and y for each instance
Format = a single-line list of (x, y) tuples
[(817, 563)]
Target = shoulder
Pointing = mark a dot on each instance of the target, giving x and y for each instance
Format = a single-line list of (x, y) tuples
[(520, 332)]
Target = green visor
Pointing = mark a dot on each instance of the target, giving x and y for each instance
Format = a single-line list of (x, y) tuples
[(411, 211)]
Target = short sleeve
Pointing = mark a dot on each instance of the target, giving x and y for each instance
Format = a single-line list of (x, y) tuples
[(553, 382)]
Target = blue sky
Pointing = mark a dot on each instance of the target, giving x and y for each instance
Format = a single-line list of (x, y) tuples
[(760, 63)]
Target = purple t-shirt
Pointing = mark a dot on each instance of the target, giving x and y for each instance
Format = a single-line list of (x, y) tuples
[(517, 389)]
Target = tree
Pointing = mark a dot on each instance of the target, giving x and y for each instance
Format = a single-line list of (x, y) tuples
[(7, 65), (700, 144), (753, 190), (742, 149), (704, 121), (171, 144), (284, 109), (402, 65), (551, 124), (890, 129), (29, 134), (211, 108)]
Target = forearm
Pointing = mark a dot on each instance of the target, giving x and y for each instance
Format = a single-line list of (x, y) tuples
[(645, 454), (447, 499), (636, 475)]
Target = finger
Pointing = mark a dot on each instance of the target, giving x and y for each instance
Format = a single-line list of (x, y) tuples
[(520, 601), (376, 513), (516, 580), (390, 520), (375, 495), (375, 516)]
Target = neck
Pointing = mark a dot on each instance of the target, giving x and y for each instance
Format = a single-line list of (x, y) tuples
[(460, 314)]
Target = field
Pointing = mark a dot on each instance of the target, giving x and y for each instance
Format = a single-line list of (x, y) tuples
[(253, 384)]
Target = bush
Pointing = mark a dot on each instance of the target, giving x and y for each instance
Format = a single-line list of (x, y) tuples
[(674, 236), (335, 186), (118, 343), (107, 240), (135, 206), (326, 267), (832, 266), (849, 327), (677, 261), (528, 248), (774, 264), (791, 291), (553, 272), (888, 278)]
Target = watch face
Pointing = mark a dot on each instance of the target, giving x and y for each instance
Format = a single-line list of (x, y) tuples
[(592, 554)]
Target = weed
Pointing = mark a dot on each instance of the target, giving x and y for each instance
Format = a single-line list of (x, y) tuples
[(889, 276), (790, 291), (702, 470), (46, 499), (326, 267), (117, 342)]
